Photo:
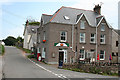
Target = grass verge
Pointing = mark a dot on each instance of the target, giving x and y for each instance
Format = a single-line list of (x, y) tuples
[(25, 50), (3, 49)]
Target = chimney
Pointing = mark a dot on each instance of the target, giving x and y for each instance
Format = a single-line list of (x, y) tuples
[(97, 9), (27, 23)]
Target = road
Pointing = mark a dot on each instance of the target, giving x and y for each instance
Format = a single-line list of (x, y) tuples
[(16, 65)]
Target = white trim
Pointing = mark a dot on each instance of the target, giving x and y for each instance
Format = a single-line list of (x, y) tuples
[(64, 50), (82, 24), (83, 37), (83, 55), (93, 38), (65, 36), (100, 22), (102, 30), (102, 38), (105, 21), (103, 55), (85, 18)]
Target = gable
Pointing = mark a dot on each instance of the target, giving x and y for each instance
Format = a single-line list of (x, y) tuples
[(103, 20)]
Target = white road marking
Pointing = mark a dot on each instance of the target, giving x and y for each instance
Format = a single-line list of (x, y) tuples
[(58, 75)]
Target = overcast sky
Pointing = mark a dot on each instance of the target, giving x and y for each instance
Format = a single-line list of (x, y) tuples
[(13, 14)]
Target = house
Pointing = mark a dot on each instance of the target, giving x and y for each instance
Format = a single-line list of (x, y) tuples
[(30, 34), (69, 35), (2, 43), (115, 38)]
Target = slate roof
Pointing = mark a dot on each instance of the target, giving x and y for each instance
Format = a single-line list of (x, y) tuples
[(117, 31), (74, 15), (46, 18), (30, 27)]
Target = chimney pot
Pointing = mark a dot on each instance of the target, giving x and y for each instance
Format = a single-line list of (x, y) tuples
[(97, 9)]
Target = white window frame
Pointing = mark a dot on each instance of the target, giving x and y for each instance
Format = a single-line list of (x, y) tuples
[(63, 36), (103, 55), (102, 27), (82, 24), (65, 56), (82, 37), (38, 50), (83, 55), (103, 38), (92, 38), (43, 52)]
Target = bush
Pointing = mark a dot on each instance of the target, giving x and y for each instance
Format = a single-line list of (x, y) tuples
[(3, 50), (30, 56)]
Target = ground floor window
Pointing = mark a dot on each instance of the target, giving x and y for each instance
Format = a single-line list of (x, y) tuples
[(82, 54), (43, 52), (38, 50), (102, 54)]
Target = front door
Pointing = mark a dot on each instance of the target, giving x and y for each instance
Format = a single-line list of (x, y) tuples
[(61, 56)]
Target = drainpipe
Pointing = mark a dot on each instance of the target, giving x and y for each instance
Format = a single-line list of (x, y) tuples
[(73, 40), (96, 45)]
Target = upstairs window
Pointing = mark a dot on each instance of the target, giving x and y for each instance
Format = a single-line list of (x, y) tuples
[(102, 55), (82, 24), (102, 26), (82, 37), (92, 38), (43, 52), (63, 36), (102, 39), (66, 18)]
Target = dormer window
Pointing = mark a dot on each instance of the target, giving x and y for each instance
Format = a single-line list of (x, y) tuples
[(82, 24), (66, 18), (102, 26)]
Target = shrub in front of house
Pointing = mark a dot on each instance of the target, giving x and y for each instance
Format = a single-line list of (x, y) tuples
[(30, 56)]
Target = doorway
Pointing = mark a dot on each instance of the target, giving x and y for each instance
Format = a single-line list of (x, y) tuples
[(61, 56)]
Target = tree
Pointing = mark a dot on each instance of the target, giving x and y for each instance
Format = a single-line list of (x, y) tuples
[(10, 41), (19, 42)]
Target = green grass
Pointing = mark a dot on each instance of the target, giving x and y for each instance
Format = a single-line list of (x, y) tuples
[(2, 49), (25, 50), (30, 56)]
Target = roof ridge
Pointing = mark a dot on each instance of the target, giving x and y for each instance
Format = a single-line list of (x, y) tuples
[(47, 14), (77, 8), (56, 13)]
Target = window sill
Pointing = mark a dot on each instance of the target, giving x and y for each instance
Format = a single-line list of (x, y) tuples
[(82, 43), (102, 59), (102, 44), (63, 41), (92, 43), (82, 29)]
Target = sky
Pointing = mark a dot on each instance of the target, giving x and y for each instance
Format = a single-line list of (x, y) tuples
[(14, 13)]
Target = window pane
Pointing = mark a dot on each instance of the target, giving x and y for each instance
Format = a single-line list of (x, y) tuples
[(103, 27), (63, 35), (102, 54), (82, 25)]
